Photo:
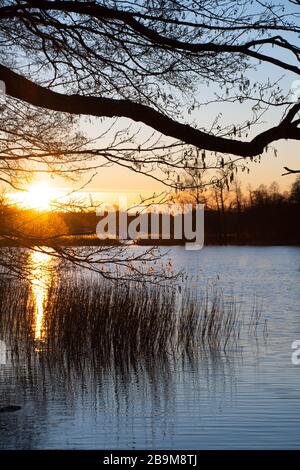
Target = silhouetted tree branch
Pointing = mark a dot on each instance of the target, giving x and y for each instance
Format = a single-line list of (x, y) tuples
[(152, 63), (27, 91), (118, 58)]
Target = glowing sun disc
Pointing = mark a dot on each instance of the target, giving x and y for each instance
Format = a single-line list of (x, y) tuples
[(39, 196)]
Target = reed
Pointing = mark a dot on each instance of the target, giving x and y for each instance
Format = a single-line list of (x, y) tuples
[(118, 324)]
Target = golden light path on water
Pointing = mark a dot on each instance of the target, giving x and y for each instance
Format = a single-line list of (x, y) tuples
[(40, 265)]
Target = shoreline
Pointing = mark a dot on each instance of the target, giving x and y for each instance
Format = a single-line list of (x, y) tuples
[(94, 241)]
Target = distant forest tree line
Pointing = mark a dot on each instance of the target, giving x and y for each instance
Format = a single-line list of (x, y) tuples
[(232, 216)]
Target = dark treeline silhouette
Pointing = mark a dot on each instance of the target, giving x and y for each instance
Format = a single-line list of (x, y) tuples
[(232, 216), (260, 216)]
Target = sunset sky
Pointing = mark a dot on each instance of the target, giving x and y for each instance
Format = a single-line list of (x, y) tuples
[(109, 183), (270, 169), (111, 180)]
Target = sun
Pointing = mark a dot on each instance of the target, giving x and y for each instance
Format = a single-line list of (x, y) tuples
[(39, 196)]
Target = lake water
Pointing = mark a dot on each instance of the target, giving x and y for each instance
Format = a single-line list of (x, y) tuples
[(246, 398)]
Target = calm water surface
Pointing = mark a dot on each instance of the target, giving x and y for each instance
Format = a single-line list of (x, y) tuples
[(246, 398)]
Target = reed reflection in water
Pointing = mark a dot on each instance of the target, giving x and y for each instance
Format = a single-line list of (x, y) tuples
[(104, 378), (82, 347), (81, 320)]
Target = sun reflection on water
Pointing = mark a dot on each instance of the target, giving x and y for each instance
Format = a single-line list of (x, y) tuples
[(40, 264)]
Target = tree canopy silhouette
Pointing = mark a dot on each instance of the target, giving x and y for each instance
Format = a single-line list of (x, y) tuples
[(144, 61), (167, 65)]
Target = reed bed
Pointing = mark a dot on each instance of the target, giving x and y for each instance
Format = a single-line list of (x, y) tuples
[(92, 320)]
